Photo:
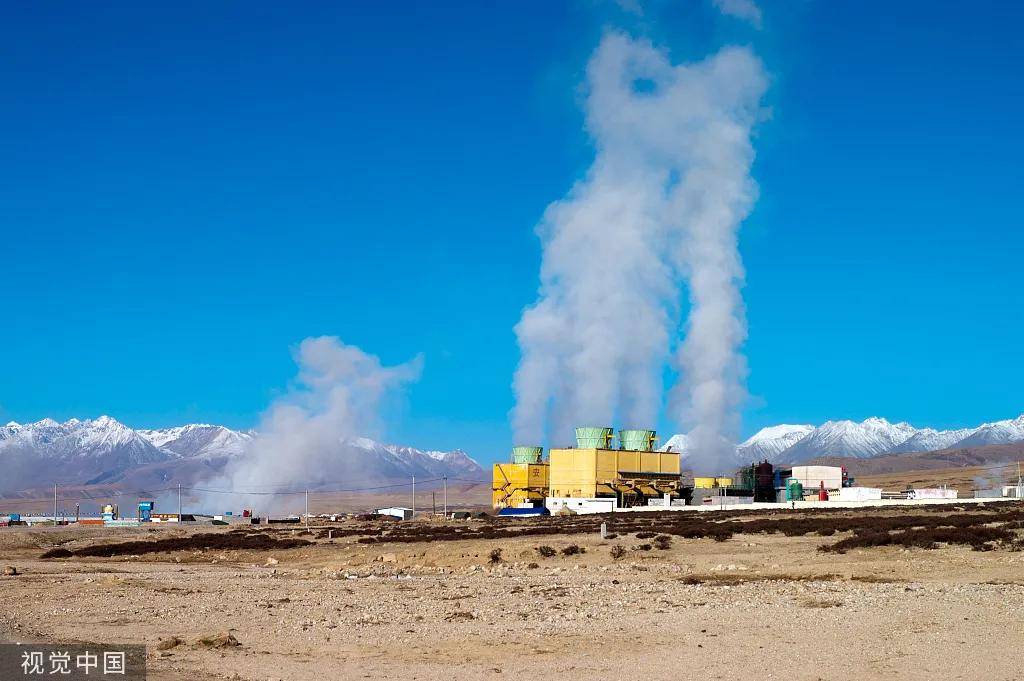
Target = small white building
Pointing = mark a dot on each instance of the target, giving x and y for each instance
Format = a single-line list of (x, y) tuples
[(860, 494), (399, 512), (932, 493)]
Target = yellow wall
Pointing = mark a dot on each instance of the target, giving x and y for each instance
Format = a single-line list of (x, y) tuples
[(578, 472), (573, 472), (514, 483)]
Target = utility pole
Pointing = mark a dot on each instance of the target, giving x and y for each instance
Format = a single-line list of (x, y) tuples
[(307, 508), (414, 496), (446, 496), (433, 503), (179, 502), (54, 503)]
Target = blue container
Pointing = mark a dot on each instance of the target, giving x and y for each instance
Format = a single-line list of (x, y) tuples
[(15, 517), (523, 512)]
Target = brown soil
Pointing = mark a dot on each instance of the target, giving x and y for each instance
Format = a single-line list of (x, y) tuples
[(762, 599)]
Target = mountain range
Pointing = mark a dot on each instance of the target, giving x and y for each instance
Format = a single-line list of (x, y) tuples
[(872, 437), (104, 451)]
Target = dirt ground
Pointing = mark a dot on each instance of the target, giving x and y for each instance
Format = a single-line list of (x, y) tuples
[(759, 604), (963, 479)]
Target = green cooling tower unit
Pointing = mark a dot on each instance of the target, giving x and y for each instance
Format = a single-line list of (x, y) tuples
[(526, 454), (637, 440), (589, 437)]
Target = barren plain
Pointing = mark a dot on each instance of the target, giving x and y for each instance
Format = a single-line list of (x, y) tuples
[(666, 595)]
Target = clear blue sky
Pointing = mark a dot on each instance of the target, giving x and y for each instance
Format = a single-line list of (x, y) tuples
[(189, 191)]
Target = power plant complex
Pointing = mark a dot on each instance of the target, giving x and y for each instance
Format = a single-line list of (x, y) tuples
[(603, 473)]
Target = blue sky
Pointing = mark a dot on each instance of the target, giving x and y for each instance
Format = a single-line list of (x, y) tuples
[(190, 190)]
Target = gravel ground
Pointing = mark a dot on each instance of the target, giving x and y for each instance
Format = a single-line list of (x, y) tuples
[(764, 604)]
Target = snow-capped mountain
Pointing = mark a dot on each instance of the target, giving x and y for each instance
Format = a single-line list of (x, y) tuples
[(103, 439), (199, 440), (399, 461), (86, 452), (869, 438), (677, 443), (103, 450), (929, 439), (769, 442), (996, 433)]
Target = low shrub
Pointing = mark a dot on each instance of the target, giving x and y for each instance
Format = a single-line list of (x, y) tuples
[(979, 538)]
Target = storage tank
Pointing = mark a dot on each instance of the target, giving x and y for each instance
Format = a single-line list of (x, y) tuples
[(794, 490), (523, 454), (811, 477), (745, 478), (591, 437), (637, 440), (764, 482)]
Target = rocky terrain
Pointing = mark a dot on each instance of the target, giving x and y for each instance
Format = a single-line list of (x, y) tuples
[(562, 606)]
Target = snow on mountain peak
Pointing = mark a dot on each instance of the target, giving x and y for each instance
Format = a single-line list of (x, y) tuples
[(768, 442), (104, 449), (873, 436), (677, 443), (198, 440), (783, 431)]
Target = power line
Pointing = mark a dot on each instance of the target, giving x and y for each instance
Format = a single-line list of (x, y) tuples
[(210, 490)]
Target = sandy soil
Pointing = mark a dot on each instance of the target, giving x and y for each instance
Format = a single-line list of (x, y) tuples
[(768, 605), (964, 479)]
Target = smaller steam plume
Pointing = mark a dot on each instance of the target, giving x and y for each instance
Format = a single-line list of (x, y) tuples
[(339, 395)]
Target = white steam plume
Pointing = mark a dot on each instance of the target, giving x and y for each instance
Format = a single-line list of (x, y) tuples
[(302, 439), (661, 204)]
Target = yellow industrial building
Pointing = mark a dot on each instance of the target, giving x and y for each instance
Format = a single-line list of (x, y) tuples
[(516, 484), (524, 481), (597, 472), (630, 474)]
